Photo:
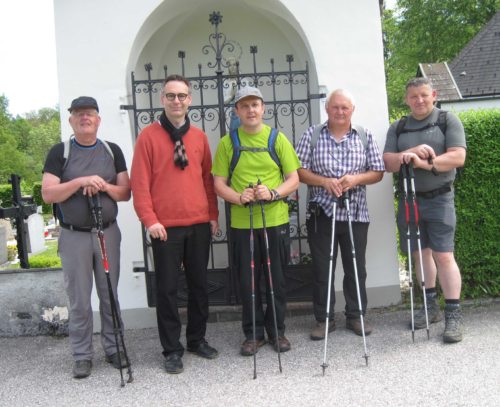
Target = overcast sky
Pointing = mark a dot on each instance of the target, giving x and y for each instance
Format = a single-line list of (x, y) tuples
[(28, 71)]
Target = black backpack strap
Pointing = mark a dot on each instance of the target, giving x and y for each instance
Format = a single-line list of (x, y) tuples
[(271, 145), (401, 126), (235, 140), (441, 122)]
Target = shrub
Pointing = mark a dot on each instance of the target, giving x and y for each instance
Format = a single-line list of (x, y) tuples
[(44, 261), (37, 197), (5, 195), (11, 252), (478, 212)]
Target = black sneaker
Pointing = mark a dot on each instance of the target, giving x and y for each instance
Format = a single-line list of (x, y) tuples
[(173, 364), (204, 350), (116, 361), (82, 369), (453, 330)]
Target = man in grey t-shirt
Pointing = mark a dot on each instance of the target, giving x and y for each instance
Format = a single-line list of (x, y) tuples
[(86, 166), (435, 157)]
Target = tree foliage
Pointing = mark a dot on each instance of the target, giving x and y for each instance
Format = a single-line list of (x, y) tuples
[(25, 142), (427, 31)]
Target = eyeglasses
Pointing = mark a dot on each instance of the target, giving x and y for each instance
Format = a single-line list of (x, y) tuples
[(181, 96)]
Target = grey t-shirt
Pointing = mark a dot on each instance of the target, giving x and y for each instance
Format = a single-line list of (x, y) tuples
[(84, 161), (432, 136)]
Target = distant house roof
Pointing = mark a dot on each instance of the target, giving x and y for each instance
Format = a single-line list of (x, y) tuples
[(442, 80), (476, 68)]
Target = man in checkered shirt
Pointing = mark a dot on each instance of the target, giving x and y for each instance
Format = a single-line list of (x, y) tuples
[(341, 162)]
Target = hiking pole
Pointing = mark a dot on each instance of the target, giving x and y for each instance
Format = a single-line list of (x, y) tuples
[(270, 277), (417, 229), (96, 211), (404, 172), (345, 198), (330, 273), (252, 268)]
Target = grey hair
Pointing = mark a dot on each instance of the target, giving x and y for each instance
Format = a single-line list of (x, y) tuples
[(348, 95), (416, 82)]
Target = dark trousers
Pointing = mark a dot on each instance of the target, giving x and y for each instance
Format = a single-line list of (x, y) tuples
[(319, 232), (279, 250), (186, 246)]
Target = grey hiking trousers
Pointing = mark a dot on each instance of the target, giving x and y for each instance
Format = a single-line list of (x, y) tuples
[(82, 263)]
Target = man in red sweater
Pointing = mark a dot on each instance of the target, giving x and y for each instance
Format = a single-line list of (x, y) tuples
[(174, 198)]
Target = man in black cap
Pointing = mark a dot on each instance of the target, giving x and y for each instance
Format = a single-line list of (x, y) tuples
[(81, 167)]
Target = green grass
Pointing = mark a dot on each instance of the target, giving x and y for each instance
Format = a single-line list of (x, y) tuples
[(46, 259)]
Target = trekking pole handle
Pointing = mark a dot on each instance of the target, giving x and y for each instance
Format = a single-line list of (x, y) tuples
[(93, 213), (404, 170), (410, 169), (344, 198), (250, 185), (98, 200), (98, 206)]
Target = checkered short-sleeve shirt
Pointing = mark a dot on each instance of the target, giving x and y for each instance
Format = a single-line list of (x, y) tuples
[(334, 159)]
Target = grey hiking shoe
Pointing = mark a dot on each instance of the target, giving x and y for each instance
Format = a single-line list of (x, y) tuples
[(82, 368), (117, 361), (433, 313), (454, 326)]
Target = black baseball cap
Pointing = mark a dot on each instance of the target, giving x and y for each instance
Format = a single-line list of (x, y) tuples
[(83, 102)]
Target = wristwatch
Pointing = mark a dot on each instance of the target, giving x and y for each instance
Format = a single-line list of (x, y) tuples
[(276, 195), (434, 171)]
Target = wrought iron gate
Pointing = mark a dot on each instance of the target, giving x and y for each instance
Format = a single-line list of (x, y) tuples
[(288, 100)]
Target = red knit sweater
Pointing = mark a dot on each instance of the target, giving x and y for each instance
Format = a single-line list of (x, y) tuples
[(162, 191)]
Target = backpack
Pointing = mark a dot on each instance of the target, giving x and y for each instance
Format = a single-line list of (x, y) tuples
[(238, 148), (315, 137), (441, 123)]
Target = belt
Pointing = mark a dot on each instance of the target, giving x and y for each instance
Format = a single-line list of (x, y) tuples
[(434, 192), (84, 229)]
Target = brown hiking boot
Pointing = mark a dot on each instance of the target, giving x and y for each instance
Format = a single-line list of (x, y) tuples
[(249, 347), (283, 343), (318, 332), (354, 324)]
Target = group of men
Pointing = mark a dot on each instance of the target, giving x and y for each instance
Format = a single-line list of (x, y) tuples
[(175, 187)]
